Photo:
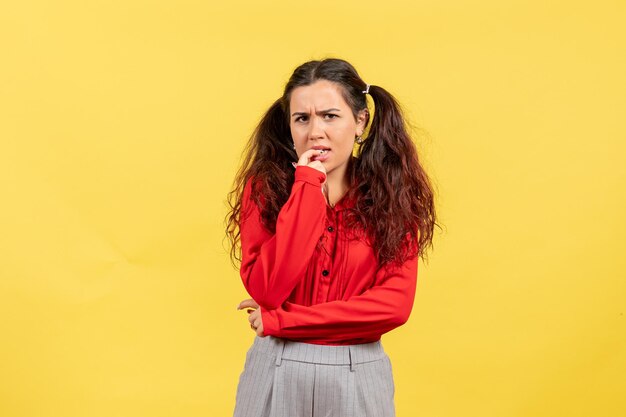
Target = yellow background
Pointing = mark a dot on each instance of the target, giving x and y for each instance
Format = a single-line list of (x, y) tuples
[(122, 125)]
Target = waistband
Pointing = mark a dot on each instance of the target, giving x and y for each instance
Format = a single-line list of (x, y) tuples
[(320, 354)]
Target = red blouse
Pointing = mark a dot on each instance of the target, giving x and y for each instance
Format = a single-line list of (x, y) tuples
[(307, 286)]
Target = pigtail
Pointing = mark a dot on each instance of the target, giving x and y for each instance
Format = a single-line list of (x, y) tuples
[(395, 183)]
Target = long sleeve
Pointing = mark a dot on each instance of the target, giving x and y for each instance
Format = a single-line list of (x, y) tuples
[(367, 316), (272, 265)]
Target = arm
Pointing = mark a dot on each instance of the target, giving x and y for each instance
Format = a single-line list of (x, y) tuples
[(272, 265), (381, 308)]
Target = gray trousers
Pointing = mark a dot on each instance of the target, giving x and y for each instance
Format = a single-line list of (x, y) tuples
[(285, 378)]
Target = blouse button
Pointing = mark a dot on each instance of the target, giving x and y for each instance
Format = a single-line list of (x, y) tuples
[(325, 272), (330, 228)]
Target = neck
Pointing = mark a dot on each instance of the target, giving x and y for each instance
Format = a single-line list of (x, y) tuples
[(337, 183)]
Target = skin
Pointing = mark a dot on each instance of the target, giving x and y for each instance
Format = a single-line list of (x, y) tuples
[(335, 129), (314, 125)]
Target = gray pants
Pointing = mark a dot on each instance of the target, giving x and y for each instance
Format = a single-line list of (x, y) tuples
[(284, 378)]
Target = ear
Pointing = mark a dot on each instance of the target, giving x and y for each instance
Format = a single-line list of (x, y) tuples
[(361, 121)]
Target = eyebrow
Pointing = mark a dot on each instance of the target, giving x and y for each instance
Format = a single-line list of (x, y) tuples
[(319, 112)]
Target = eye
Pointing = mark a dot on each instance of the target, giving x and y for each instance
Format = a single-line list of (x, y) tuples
[(301, 118)]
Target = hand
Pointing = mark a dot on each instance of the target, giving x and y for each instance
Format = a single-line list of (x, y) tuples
[(305, 159), (256, 323)]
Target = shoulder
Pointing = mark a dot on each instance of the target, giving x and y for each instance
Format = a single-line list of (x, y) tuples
[(252, 191)]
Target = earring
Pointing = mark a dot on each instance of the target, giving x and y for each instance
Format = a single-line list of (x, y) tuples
[(359, 140), (294, 145)]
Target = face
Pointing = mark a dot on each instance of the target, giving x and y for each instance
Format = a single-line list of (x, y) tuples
[(321, 117)]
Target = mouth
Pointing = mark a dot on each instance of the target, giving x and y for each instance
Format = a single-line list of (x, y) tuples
[(322, 156), (321, 148)]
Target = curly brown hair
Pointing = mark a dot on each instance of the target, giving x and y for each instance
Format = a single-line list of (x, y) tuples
[(393, 194)]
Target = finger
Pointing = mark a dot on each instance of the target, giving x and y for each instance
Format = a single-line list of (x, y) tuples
[(306, 156), (249, 302), (317, 165), (259, 328), (320, 167), (245, 300)]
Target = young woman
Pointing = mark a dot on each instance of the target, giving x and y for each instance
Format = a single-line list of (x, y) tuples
[(330, 236)]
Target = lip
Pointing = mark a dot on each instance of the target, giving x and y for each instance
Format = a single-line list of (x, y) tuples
[(322, 158), (318, 147)]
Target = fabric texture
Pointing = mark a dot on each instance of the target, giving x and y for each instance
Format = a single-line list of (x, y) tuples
[(283, 378), (314, 281)]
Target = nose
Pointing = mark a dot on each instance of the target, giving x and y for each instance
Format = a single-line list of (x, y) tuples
[(316, 128)]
